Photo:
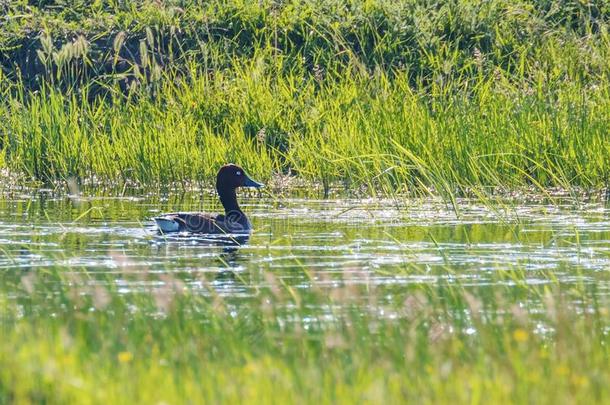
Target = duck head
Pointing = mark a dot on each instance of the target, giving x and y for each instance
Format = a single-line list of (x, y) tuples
[(228, 179), (231, 176)]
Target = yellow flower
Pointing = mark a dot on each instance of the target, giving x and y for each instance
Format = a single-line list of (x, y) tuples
[(520, 335), (562, 370), (125, 357), (580, 381)]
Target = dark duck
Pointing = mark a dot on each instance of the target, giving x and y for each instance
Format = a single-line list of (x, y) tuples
[(228, 179)]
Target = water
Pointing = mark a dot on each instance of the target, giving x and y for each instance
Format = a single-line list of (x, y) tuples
[(353, 247)]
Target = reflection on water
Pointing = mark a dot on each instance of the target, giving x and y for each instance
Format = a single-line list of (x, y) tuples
[(385, 245)]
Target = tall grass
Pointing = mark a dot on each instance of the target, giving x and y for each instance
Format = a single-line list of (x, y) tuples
[(372, 132), (377, 96)]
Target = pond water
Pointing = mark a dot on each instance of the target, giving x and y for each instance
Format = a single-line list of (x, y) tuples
[(375, 246)]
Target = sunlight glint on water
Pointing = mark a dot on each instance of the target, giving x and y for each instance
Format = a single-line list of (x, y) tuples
[(383, 245)]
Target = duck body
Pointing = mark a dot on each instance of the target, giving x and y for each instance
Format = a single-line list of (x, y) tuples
[(198, 222), (233, 221)]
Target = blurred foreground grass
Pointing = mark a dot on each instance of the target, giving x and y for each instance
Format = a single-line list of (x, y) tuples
[(66, 339)]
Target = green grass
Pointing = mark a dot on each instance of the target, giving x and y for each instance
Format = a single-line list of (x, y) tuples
[(71, 343), (374, 132), (377, 96)]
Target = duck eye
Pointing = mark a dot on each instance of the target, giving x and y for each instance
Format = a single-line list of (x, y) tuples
[(238, 173)]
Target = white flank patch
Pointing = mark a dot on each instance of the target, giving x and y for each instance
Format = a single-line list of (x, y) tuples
[(167, 225)]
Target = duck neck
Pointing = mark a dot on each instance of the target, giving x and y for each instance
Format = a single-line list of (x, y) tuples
[(228, 198)]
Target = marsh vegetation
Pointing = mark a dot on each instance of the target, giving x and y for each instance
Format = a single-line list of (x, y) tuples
[(463, 253), (377, 95)]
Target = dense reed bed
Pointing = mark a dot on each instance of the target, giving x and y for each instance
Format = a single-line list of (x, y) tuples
[(379, 96), (371, 132)]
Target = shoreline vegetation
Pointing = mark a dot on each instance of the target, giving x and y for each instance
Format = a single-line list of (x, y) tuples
[(375, 97), (389, 97)]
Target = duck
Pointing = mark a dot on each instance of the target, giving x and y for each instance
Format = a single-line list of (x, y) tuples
[(234, 221)]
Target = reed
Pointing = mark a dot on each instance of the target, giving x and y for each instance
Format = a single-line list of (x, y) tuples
[(360, 132), (375, 96)]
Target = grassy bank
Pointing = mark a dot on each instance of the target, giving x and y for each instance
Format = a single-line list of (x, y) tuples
[(360, 132), (90, 343), (417, 96)]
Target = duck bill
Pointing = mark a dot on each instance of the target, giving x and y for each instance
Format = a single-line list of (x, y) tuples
[(248, 182)]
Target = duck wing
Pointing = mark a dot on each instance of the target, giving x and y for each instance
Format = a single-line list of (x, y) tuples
[(195, 222)]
